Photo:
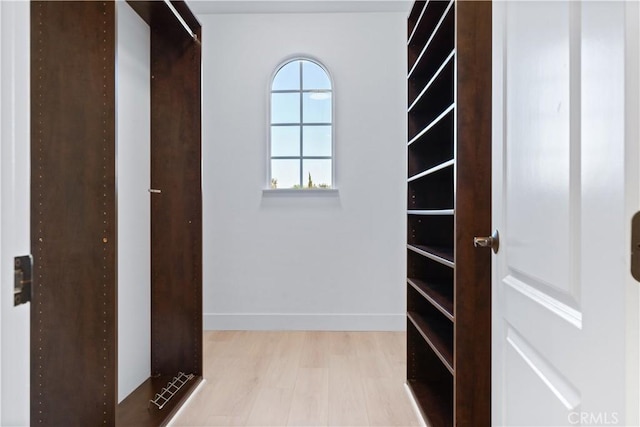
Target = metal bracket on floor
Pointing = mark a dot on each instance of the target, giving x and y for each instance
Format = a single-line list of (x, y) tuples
[(171, 389)]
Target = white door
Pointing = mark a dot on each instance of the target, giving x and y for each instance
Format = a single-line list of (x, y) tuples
[(14, 208), (565, 93)]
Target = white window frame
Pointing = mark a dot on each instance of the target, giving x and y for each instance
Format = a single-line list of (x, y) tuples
[(301, 157)]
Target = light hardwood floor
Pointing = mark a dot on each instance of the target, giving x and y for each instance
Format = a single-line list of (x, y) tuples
[(300, 378)]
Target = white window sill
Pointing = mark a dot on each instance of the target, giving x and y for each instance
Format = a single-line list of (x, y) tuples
[(302, 192)]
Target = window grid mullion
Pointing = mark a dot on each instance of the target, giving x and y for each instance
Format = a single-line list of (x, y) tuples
[(303, 157), (301, 124)]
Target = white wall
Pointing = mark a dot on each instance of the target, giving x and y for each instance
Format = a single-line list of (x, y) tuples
[(15, 181), (305, 262), (133, 165), (1, 204)]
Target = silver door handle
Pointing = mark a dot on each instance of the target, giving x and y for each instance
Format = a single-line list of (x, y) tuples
[(492, 242)]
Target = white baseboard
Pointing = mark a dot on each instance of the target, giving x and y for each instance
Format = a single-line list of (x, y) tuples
[(304, 322)]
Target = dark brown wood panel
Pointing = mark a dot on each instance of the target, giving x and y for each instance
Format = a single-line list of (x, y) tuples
[(473, 215), (73, 214), (176, 212)]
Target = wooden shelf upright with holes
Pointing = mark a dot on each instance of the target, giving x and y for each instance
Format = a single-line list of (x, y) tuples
[(449, 202)]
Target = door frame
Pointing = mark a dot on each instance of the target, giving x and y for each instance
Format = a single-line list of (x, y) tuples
[(14, 208), (632, 179)]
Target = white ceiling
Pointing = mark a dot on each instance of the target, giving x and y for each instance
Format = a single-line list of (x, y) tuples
[(297, 6)]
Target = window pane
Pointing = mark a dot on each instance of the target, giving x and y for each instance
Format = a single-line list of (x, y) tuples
[(314, 77), (285, 108), (286, 172), (288, 77), (317, 107), (320, 172), (285, 141), (317, 140)]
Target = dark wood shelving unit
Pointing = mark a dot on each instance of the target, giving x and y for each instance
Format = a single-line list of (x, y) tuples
[(74, 315), (448, 203)]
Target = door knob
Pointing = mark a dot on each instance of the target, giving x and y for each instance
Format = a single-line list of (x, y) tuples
[(492, 242)]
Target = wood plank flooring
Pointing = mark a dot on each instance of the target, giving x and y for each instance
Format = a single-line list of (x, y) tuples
[(301, 378)]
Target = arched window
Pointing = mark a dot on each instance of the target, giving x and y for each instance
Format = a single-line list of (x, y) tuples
[(301, 128)]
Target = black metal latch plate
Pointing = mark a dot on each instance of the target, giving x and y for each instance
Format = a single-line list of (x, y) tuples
[(22, 267)]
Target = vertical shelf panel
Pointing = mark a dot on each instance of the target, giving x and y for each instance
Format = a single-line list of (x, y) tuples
[(473, 214), (176, 212), (73, 214)]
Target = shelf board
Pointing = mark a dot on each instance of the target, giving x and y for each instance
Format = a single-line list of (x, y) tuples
[(433, 212), (434, 169), (437, 344), (433, 123), (417, 24), (433, 34), (435, 407), (439, 254), (433, 78), (436, 294)]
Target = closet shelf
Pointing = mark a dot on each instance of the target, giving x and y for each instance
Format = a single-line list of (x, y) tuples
[(435, 32), (439, 254), (440, 295), (417, 24), (442, 66), (441, 348), (434, 169), (436, 407), (432, 124), (434, 212), (429, 18)]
